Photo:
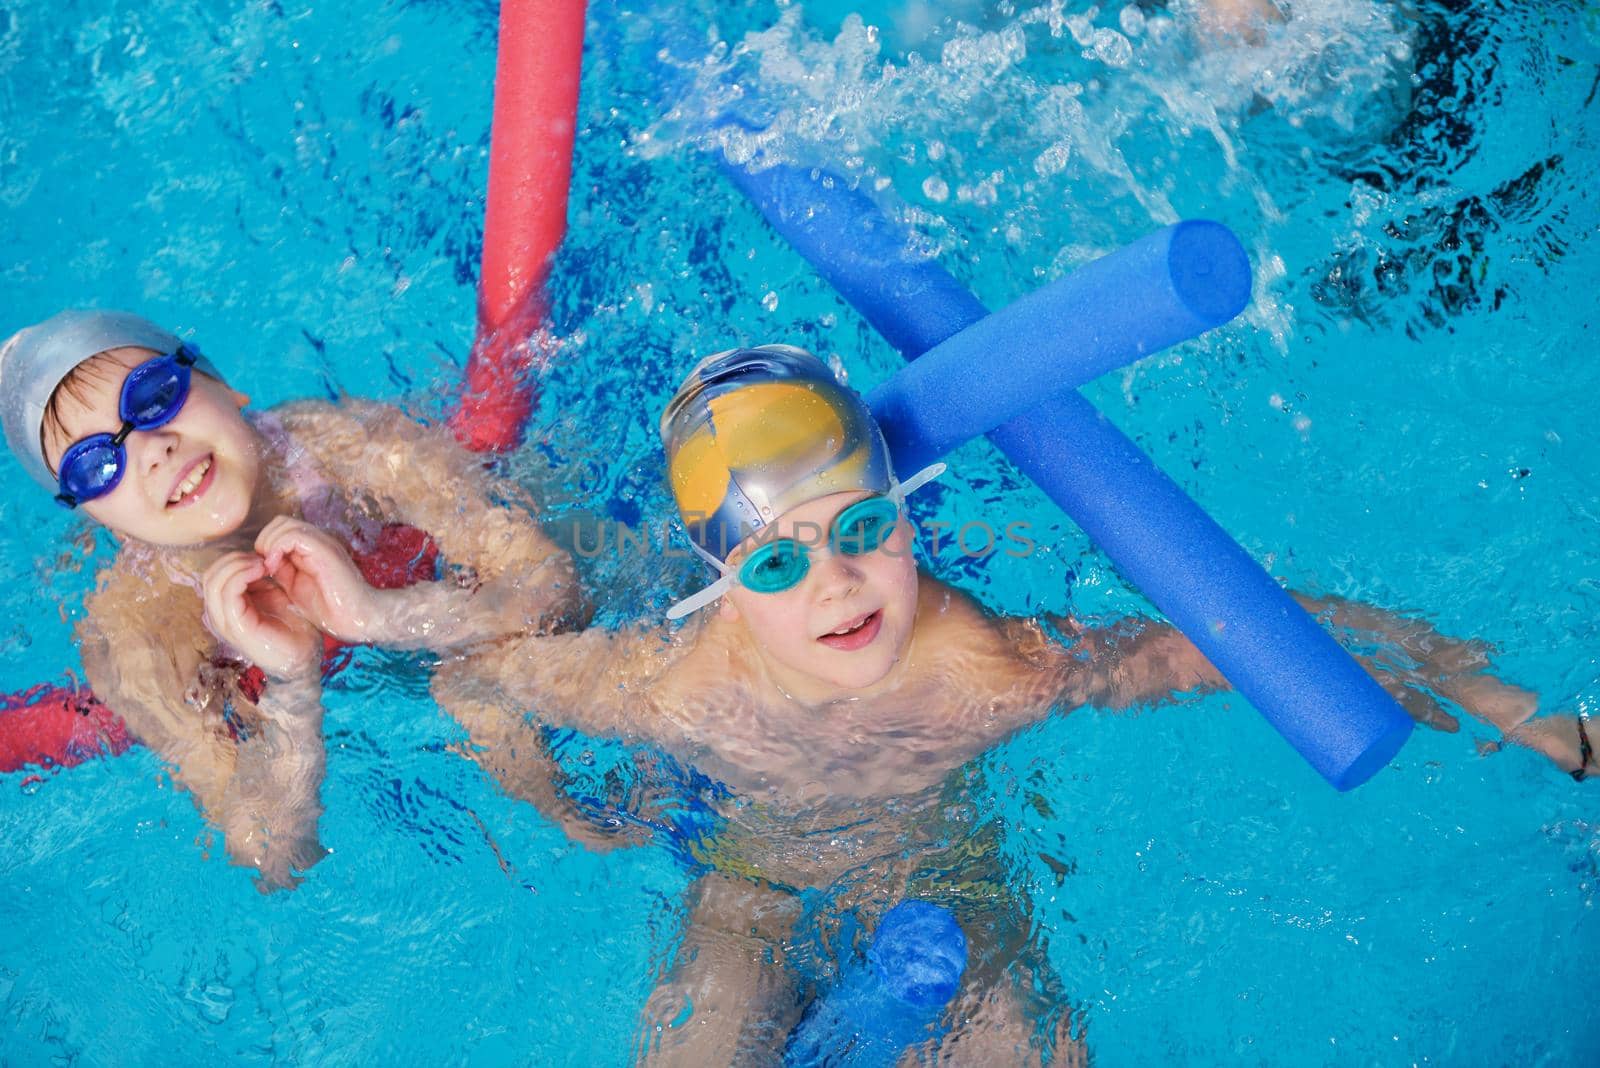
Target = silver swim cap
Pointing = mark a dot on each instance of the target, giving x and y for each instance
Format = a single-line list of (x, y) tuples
[(35, 360)]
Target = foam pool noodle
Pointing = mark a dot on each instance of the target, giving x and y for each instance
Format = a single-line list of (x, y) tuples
[(889, 1000)]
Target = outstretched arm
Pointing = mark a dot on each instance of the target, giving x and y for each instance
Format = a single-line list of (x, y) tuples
[(596, 681), (509, 578), (1132, 662), (1138, 662), (512, 748), (1419, 666)]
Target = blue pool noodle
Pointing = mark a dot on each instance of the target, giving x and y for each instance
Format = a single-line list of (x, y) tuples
[(1160, 290), (1322, 702), (891, 999)]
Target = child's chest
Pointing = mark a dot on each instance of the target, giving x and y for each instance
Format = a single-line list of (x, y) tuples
[(870, 748)]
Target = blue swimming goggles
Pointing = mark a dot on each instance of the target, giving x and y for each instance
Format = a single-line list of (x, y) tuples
[(152, 395), (783, 563)]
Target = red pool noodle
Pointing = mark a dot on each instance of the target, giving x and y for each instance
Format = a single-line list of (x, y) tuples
[(52, 725), (530, 169)]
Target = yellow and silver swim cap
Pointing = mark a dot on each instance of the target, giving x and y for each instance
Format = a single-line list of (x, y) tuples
[(754, 432)]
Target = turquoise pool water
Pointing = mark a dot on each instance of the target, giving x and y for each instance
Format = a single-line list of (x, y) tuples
[(1403, 416)]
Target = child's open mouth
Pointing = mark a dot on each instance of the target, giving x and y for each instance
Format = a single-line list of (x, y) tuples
[(855, 634), (196, 479)]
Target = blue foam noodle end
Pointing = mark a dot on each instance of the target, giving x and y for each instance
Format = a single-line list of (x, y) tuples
[(1164, 288), (1323, 703), (891, 999), (1167, 287)]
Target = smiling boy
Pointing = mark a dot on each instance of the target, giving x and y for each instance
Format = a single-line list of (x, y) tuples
[(234, 540), (834, 689)]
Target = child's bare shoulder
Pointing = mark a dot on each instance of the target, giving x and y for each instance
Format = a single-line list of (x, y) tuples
[(700, 656), (353, 430), (992, 657), (137, 605), (948, 616), (709, 662), (383, 449), (139, 575)]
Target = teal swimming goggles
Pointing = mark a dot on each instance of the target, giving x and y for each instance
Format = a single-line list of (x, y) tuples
[(783, 563)]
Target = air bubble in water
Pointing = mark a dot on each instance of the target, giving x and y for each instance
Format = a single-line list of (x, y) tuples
[(1111, 48), (1052, 160), (1082, 29), (770, 301), (984, 193), (1132, 21), (935, 189)]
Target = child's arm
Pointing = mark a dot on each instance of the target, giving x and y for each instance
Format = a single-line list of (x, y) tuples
[(1418, 665), (603, 683), (1133, 662), (1144, 662), (521, 582), (518, 579), (502, 740), (147, 656), (595, 681)]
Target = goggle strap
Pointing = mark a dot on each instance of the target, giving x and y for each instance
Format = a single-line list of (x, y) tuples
[(920, 479), (710, 593), (716, 565), (700, 600)]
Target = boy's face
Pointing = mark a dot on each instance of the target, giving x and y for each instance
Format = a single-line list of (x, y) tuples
[(190, 481), (871, 597)]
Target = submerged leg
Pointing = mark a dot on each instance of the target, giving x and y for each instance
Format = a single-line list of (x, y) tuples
[(1012, 1007), (999, 1025), (727, 998)]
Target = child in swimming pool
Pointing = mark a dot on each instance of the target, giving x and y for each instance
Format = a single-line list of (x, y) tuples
[(235, 534), (835, 689)]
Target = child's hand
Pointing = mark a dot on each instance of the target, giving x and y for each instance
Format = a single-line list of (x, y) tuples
[(321, 580), (1418, 665), (247, 609)]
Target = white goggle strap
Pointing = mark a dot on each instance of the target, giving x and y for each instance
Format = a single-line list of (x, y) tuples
[(699, 600), (918, 480)]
